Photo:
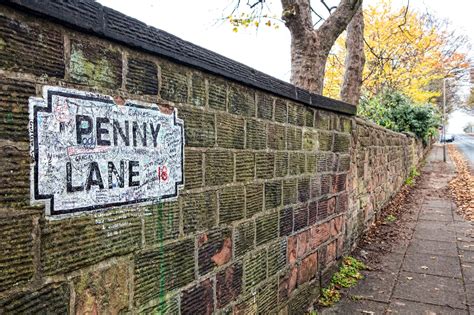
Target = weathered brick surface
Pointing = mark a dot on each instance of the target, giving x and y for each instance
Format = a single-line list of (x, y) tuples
[(214, 249), (164, 268), (142, 76), (31, 48), (104, 290), (198, 299), (275, 191), (95, 64), (16, 251), (50, 299)]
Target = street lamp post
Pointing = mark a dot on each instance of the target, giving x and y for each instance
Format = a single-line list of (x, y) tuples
[(444, 120)]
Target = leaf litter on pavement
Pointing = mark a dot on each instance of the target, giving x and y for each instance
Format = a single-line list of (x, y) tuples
[(462, 186)]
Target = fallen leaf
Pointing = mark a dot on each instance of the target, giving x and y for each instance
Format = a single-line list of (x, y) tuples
[(410, 278), (424, 267)]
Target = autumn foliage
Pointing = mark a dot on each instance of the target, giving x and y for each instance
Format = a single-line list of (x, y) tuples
[(462, 186), (405, 50)]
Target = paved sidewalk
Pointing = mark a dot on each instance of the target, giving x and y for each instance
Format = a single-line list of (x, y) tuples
[(431, 271)]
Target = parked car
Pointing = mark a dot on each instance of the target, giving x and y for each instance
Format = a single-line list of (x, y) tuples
[(447, 138)]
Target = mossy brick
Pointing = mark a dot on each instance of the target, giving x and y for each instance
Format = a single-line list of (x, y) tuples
[(77, 242), (315, 187), (199, 211), (342, 143), (281, 164), (276, 259), (297, 163), (272, 194), (276, 137), (325, 140), (174, 83), (310, 140), (163, 305), (286, 285), (254, 199), (256, 135), (264, 106), (308, 117), (228, 284), (346, 124), (231, 204), (290, 192), (303, 298), (193, 172), (296, 114), (246, 305), (198, 299), (325, 183), (219, 167), (104, 290), (14, 175), (214, 249), (322, 120), (164, 268), (14, 119), (230, 131), (244, 166), (16, 250), (303, 189), (31, 48), (264, 164), (294, 139), (339, 183), (281, 111), (343, 163), (244, 238), (198, 90), (95, 64), (255, 269), (142, 76), (267, 296), (217, 94), (52, 298), (241, 101), (324, 161), (312, 212), (301, 216), (267, 228), (311, 163), (286, 221), (161, 222), (199, 127)]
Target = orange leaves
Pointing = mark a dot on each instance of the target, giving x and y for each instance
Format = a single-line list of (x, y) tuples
[(462, 186)]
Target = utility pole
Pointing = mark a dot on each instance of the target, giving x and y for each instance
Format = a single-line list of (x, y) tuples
[(444, 120)]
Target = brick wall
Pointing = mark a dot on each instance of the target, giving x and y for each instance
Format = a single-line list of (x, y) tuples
[(274, 182)]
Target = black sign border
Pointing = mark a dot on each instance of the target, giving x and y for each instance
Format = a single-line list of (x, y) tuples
[(48, 109)]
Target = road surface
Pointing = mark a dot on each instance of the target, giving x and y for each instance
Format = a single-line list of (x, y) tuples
[(465, 144)]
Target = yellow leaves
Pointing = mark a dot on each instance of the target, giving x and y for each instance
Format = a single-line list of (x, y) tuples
[(403, 51)]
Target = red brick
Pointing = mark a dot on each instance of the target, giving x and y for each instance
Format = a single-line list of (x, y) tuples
[(198, 299), (308, 268), (292, 249), (336, 225), (228, 285), (319, 235), (303, 243)]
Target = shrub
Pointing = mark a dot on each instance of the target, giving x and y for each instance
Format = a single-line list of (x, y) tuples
[(395, 111)]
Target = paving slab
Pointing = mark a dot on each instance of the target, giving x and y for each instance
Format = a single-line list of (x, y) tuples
[(439, 217), (446, 266), (430, 289), (466, 256), (432, 203), (432, 247), (414, 308), (468, 272), (349, 306), (438, 226), (376, 286), (434, 235), (445, 211)]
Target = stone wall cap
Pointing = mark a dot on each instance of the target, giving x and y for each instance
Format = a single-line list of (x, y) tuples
[(93, 18)]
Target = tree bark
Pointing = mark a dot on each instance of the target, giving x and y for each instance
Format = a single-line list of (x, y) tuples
[(310, 47), (355, 60)]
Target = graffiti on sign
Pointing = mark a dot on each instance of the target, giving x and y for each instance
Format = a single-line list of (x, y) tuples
[(89, 153)]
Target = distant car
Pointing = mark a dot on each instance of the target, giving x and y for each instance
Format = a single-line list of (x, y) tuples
[(448, 138)]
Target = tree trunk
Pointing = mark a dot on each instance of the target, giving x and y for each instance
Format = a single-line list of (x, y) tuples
[(309, 47), (355, 60)]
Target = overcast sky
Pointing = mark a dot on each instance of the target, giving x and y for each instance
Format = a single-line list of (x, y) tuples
[(267, 50)]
